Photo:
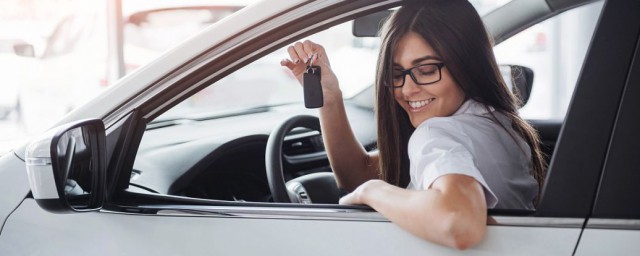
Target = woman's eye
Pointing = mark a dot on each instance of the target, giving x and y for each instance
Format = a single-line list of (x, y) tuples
[(427, 70)]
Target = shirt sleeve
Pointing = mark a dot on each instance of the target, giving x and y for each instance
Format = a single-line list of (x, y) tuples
[(441, 149)]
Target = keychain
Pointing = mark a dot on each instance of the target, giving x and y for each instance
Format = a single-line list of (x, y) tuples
[(311, 86)]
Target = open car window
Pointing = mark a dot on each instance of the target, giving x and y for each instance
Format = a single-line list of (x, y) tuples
[(265, 83), (212, 145)]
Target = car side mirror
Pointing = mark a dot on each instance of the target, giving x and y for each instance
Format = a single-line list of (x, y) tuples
[(24, 50), (67, 168), (519, 79)]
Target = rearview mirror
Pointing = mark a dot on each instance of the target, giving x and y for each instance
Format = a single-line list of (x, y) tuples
[(67, 170), (370, 25)]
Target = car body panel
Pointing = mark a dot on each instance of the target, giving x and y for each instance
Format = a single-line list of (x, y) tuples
[(608, 240), (198, 234), (14, 185), (583, 144), (615, 220)]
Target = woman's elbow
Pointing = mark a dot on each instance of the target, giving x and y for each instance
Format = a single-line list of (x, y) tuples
[(464, 232), (466, 241)]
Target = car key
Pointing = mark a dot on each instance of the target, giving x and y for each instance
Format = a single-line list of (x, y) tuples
[(312, 86)]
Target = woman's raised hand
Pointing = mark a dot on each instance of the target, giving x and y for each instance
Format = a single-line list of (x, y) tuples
[(300, 55)]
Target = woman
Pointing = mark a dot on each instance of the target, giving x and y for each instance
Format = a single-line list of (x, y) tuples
[(448, 127)]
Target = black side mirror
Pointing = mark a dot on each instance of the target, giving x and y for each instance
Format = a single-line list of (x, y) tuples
[(24, 50), (519, 79), (73, 177)]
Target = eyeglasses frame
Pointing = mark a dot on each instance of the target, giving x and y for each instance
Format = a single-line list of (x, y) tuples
[(408, 72)]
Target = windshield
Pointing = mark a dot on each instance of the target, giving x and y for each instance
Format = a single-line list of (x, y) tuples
[(265, 83)]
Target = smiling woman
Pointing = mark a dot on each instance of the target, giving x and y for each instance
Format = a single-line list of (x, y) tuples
[(450, 134)]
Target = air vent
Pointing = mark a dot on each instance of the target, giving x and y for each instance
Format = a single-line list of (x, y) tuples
[(303, 145)]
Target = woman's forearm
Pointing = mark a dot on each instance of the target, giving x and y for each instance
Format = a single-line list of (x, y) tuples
[(452, 212), (350, 162)]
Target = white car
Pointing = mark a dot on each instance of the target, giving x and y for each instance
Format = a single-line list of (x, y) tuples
[(129, 174)]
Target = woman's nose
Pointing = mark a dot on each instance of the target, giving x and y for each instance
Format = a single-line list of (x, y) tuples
[(410, 87)]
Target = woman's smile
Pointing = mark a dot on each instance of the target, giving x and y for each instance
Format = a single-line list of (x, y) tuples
[(417, 106)]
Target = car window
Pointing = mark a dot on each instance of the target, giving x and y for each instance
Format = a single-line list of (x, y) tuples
[(265, 83), (554, 50), (212, 145)]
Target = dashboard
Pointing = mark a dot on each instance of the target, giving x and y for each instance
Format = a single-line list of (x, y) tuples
[(224, 158)]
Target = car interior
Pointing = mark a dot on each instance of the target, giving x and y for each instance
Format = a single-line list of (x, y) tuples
[(228, 158)]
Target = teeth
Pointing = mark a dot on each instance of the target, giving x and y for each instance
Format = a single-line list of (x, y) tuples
[(417, 104)]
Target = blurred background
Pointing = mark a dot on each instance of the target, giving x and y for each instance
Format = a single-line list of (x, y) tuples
[(57, 54)]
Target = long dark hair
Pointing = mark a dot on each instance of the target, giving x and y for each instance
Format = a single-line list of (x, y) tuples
[(455, 31)]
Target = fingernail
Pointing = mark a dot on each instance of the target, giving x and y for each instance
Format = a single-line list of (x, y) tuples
[(296, 61)]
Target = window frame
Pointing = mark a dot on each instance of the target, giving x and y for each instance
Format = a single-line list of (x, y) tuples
[(195, 76)]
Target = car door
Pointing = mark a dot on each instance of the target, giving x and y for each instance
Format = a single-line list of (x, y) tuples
[(163, 224), (614, 225)]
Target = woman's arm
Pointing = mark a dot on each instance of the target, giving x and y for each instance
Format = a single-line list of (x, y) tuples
[(350, 162), (451, 212)]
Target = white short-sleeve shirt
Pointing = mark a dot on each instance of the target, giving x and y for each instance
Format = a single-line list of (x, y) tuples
[(472, 143)]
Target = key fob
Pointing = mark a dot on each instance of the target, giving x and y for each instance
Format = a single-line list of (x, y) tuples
[(312, 88)]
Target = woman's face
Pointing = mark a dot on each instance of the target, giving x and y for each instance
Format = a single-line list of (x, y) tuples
[(422, 102)]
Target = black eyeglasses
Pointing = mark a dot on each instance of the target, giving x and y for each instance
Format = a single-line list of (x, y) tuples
[(422, 74)]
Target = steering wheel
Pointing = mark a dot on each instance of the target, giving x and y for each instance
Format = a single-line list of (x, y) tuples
[(319, 186)]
